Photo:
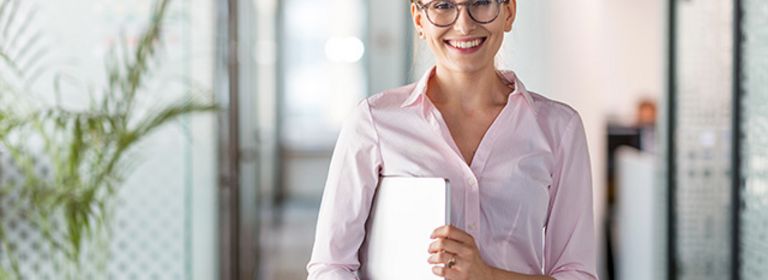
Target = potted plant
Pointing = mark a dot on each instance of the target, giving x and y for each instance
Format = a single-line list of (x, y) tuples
[(86, 154)]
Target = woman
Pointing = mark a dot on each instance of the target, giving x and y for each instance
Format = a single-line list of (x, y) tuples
[(517, 162)]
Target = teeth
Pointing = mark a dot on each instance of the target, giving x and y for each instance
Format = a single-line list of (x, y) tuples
[(466, 44)]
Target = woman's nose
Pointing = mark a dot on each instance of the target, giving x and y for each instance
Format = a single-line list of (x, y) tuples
[(464, 24)]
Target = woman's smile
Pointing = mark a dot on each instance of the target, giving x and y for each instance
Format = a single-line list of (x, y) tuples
[(465, 45)]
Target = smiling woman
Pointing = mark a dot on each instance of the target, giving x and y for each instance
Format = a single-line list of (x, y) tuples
[(476, 28), (517, 162)]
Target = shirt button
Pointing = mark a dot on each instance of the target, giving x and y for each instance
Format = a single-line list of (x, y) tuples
[(470, 181), (472, 226)]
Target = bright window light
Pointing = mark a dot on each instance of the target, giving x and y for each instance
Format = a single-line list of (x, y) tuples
[(344, 49)]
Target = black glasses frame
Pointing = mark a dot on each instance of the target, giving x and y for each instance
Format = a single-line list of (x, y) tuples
[(466, 4)]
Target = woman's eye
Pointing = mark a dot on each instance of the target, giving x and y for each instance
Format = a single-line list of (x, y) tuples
[(481, 3), (443, 5)]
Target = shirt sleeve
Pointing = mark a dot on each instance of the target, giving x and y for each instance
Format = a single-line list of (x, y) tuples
[(349, 189), (569, 242)]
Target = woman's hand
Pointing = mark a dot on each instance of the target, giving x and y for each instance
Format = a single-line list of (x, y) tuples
[(458, 253)]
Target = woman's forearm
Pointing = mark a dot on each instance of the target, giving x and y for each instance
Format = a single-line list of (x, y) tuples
[(500, 274)]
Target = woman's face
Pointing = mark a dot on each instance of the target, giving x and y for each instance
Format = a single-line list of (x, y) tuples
[(465, 46)]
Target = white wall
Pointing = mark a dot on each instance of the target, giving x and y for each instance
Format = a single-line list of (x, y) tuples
[(636, 43)]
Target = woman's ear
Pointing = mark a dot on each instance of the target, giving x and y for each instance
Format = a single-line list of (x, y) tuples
[(511, 8), (417, 19)]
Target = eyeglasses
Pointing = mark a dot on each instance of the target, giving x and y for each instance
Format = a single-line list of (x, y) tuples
[(444, 13)]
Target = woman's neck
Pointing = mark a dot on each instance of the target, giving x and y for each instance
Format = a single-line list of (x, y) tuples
[(479, 89)]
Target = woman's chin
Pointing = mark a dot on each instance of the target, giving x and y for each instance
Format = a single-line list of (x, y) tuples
[(465, 66)]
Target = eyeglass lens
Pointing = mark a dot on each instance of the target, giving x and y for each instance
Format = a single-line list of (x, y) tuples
[(445, 12)]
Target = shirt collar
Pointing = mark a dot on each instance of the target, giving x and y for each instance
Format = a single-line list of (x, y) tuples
[(420, 90)]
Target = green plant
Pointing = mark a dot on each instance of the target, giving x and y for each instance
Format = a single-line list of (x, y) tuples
[(89, 152)]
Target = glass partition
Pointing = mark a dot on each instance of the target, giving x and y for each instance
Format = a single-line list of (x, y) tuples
[(702, 206), (163, 225), (754, 192)]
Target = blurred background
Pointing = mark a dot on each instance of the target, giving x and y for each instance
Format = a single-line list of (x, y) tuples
[(673, 94)]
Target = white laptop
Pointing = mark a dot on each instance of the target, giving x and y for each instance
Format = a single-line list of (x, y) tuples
[(404, 213)]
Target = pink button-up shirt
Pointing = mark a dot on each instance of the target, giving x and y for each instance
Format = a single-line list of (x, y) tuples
[(526, 197)]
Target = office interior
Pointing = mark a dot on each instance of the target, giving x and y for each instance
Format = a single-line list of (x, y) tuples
[(673, 95)]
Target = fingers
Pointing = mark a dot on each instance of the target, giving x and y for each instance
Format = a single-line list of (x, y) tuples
[(454, 233), (449, 245), (447, 273), (439, 270), (440, 258)]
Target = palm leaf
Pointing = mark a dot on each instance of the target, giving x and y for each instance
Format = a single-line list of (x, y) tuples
[(3, 7), (89, 151), (21, 54), (10, 15), (10, 63), (136, 69), (13, 38), (30, 54)]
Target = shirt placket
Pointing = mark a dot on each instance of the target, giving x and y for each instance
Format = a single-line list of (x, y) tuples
[(473, 174), (471, 189), (472, 204)]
